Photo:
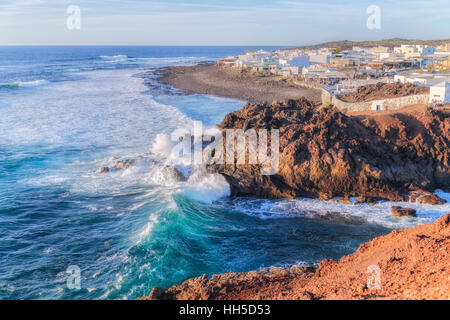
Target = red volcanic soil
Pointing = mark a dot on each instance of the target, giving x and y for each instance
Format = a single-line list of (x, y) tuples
[(383, 91), (411, 264)]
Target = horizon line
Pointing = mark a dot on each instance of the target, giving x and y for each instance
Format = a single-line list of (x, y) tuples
[(215, 45)]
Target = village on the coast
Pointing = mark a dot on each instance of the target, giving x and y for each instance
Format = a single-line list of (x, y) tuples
[(340, 72)]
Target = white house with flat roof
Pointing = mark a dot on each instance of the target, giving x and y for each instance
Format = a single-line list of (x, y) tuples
[(320, 58), (300, 61), (290, 71), (440, 92), (414, 50), (422, 79), (384, 55)]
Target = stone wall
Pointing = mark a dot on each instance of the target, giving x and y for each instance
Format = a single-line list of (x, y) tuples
[(386, 104), (326, 96)]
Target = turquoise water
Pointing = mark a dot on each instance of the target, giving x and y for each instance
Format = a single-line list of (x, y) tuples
[(66, 112)]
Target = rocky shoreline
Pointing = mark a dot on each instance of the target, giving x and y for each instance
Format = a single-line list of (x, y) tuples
[(323, 153), (399, 155), (231, 83), (407, 264)]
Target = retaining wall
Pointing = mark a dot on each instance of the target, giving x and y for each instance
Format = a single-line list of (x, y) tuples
[(385, 104)]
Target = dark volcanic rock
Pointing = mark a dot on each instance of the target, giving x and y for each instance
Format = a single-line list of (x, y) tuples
[(165, 170), (325, 153), (403, 212), (424, 197)]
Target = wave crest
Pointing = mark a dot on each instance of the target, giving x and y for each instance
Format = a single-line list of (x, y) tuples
[(25, 84)]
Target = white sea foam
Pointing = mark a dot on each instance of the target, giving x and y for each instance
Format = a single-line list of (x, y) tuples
[(172, 60), (145, 232), (207, 187), (116, 58), (200, 186), (3, 105), (380, 213), (35, 83), (110, 110), (25, 84), (46, 179), (162, 146)]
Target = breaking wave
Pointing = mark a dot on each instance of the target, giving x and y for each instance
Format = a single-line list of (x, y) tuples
[(116, 58), (207, 187), (25, 84)]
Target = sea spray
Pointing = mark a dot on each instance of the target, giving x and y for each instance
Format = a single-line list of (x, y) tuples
[(201, 185), (207, 187), (162, 145)]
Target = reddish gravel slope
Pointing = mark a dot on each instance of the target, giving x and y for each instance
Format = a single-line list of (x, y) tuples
[(413, 264)]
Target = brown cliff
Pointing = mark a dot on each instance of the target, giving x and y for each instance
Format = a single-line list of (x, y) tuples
[(325, 153)]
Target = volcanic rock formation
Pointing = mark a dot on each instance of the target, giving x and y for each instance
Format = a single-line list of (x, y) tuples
[(324, 153)]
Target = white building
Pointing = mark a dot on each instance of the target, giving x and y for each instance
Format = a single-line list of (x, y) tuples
[(384, 55), (315, 68), (378, 105), (427, 50), (320, 58), (300, 61), (440, 93), (381, 49), (270, 61), (290, 71), (254, 57), (422, 79), (358, 49), (414, 50), (246, 63), (321, 51)]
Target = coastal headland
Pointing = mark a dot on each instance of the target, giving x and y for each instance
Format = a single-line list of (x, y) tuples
[(323, 153), (328, 154), (233, 83)]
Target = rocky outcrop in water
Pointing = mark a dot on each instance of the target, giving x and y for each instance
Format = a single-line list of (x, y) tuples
[(168, 171), (403, 212), (325, 153), (407, 264)]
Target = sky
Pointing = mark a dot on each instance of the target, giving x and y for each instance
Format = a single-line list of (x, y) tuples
[(201, 22)]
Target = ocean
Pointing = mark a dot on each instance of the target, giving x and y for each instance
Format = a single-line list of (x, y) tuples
[(65, 112)]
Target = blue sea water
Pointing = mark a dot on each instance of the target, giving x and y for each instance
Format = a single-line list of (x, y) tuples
[(66, 112)]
